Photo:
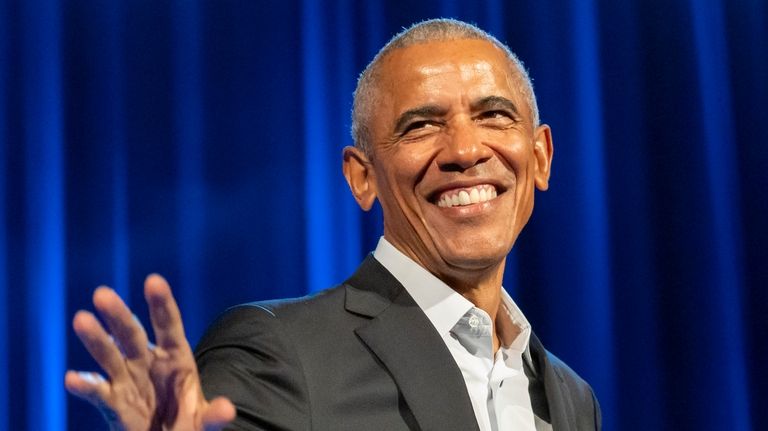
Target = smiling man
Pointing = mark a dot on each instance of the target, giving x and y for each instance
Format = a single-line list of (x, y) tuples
[(422, 336)]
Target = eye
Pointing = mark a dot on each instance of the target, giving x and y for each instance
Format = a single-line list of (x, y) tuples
[(498, 118), (418, 127), (495, 115)]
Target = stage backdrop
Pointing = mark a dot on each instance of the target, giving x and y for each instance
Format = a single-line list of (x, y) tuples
[(202, 140)]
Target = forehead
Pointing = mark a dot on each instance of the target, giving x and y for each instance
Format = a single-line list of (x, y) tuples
[(442, 69)]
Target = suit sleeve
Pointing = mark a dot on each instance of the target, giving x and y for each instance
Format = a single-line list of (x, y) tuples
[(598, 413), (585, 407), (246, 356), (588, 415)]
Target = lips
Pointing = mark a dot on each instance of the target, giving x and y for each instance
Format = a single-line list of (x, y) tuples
[(466, 196)]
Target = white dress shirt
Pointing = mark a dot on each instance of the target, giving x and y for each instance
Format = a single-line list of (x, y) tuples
[(497, 384)]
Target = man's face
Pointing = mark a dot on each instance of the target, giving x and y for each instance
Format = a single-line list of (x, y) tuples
[(455, 155)]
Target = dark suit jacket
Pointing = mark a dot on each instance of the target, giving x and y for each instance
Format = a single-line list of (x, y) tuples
[(360, 356)]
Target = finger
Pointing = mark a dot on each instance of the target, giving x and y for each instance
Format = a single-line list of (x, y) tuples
[(123, 325), (164, 313), (98, 343), (91, 387), (220, 413)]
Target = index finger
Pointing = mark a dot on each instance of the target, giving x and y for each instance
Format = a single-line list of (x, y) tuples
[(122, 323), (164, 313)]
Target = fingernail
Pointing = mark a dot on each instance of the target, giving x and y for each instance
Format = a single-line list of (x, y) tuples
[(91, 378)]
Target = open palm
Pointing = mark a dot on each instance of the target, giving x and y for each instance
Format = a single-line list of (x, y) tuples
[(149, 387)]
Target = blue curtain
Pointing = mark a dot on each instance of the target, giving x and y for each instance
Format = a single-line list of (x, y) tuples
[(202, 140)]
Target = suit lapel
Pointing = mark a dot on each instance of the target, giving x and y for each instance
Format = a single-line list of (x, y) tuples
[(561, 409), (404, 340)]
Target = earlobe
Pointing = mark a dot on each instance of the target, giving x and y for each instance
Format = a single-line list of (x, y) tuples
[(360, 177), (542, 151)]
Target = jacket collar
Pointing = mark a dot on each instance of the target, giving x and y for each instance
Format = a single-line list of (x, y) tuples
[(404, 340), (561, 410)]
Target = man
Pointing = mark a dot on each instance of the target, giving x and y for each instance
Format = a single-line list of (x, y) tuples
[(422, 336)]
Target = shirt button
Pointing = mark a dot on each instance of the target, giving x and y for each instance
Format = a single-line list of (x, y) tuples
[(474, 321)]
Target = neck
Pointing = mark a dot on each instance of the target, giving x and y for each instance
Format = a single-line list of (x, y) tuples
[(484, 291), (485, 294)]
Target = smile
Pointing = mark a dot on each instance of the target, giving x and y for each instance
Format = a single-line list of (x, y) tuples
[(468, 196)]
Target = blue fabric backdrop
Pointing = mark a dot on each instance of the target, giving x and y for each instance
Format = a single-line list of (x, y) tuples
[(202, 140)]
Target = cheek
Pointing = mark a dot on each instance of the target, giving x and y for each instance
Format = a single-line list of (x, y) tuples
[(407, 165), (415, 157), (395, 193), (517, 160), (524, 204), (516, 156)]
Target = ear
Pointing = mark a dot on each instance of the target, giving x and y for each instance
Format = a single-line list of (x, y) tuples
[(360, 176), (542, 154)]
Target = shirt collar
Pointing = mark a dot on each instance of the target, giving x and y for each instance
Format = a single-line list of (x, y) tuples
[(443, 305)]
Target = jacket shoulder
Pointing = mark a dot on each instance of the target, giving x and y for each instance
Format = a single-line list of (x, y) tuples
[(249, 355), (581, 393), (249, 322)]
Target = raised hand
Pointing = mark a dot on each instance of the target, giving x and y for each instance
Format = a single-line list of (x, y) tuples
[(148, 387)]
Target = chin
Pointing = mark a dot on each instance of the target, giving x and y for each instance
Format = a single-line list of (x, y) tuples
[(473, 258)]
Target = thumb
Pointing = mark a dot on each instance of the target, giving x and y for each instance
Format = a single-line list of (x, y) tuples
[(220, 413)]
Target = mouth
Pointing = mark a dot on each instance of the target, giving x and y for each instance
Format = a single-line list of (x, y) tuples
[(464, 196)]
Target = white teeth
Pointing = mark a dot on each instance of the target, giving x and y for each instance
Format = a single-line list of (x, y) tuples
[(474, 195), (464, 198)]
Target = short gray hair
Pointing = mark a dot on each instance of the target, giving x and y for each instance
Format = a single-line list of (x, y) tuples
[(433, 30)]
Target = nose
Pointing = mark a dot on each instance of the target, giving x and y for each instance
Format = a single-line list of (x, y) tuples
[(462, 148)]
